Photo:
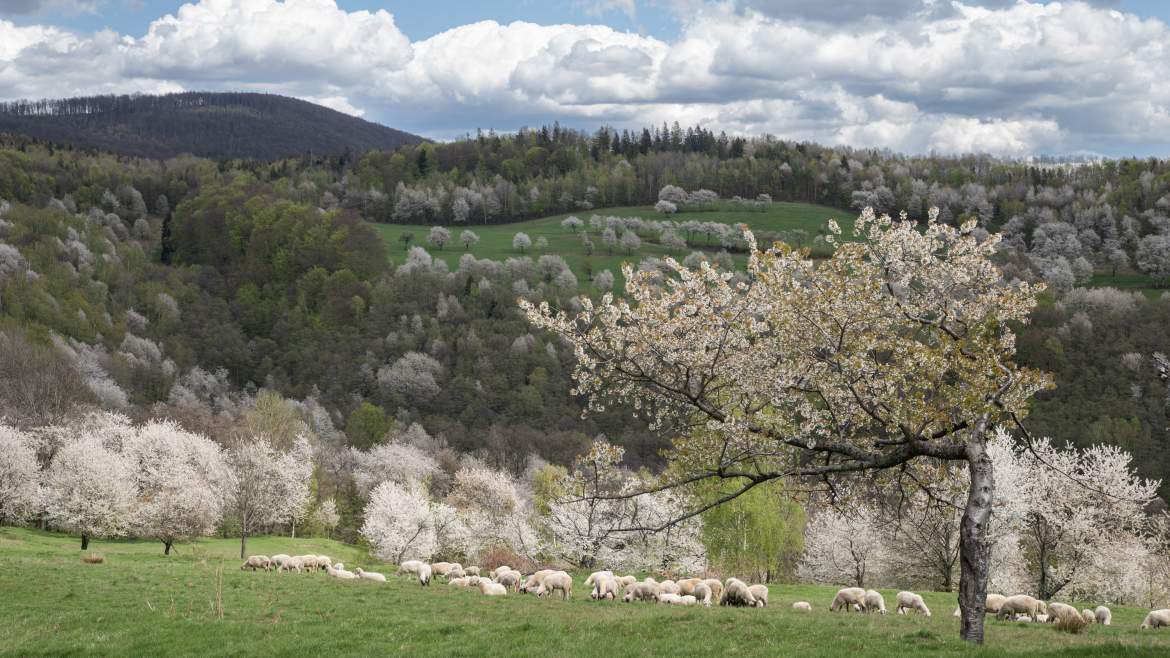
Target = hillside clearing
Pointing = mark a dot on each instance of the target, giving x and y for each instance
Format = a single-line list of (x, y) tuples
[(141, 603)]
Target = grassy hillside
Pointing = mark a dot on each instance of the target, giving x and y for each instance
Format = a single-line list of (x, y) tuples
[(496, 240), (141, 603)]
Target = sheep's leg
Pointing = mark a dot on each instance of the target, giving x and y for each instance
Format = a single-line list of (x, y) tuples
[(974, 551)]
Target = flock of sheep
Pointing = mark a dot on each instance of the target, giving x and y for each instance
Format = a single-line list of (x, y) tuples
[(605, 585)]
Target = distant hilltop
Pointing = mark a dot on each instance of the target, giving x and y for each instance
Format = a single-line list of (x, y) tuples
[(214, 125)]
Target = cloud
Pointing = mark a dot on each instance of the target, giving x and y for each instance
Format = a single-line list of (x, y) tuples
[(1005, 77)]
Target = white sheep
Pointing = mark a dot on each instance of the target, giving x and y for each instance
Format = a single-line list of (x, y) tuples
[(440, 568), (874, 601), (255, 562), (641, 592), (1088, 616), (702, 592), (278, 560), (593, 577), (308, 562), (626, 581), (848, 598), (667, 597), (803, 606), (455, 572), (908, 601), (292, 564), (606, 587), (687, 585), (533, 581), (459, 582), (498, 570), (1022, 604), (558, 580), (370, 575), (1057, 609), (676, 599), (409, 567), (760, 592), (488, 588), (668, 586), (424, 575), (509, 579), (716, 586), (736, 593), (1157, 618), (471, 571), (324, 561), (339, 573), (1104, 615)]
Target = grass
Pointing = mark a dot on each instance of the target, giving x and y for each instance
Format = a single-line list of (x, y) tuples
[(141, 603), (1135, 281), (496, 239)]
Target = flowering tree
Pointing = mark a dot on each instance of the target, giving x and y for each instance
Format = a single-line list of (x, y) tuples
[(439, 236), (491, 511), (844, 545), (268, 486), (521, 241), (897, 347), (20, 492), (89, 489), (181, 478), (391, 462), (469, 238), (399, 522)]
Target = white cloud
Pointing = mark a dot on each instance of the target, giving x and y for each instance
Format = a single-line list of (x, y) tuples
[(918, 75)]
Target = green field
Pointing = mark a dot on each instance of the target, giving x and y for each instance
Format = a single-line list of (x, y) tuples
[(140, 603), (496, 239), (1135, 281)]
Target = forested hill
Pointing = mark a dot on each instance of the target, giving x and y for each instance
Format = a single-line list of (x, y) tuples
[(212, 125)]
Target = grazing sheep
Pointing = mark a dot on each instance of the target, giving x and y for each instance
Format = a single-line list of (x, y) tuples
[(1104, 615), (488, 588), (324, 561), (668, 586), (736, 593), (702, 593), (606, 587), (278, 560), (255, 562), (495, 572), (910, 601), (409, 567), (533, 581), (441, 568), (1157, 618), (667, 597), (676, 599), (687, 585), (650, 580), (641, 592), (291, 564), (1088, 616), (760, 592), (458, 582), (1021, 604), (593, 577), (370, 575), (424, 575), (558, 580), (626, 581), (455, 572), (471, 571), (309, 563), (340, 574), (874, 601), (803, 606), (716, 586), (1057, 610), (509, 579), (848, 597), (994, 601), (1066, 617)]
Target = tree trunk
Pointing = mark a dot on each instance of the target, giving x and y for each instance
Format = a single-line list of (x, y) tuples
[(243, 543), (167, 547), (974, 552), (84, 541)]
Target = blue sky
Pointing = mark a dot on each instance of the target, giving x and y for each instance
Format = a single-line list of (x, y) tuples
[(1011, 77)]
